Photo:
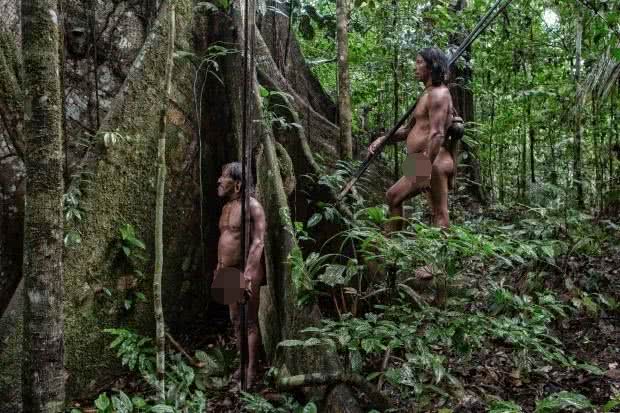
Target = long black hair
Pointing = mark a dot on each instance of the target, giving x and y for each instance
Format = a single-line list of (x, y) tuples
[(437, 62)]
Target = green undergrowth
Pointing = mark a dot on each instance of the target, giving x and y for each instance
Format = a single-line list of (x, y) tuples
[(188, 387), (502, 287), (190, 384)]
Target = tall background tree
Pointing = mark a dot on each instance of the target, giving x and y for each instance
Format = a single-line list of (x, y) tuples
[(43, 368), (344, 84)]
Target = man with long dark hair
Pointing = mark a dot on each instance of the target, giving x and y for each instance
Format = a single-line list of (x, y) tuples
[(430, 163)]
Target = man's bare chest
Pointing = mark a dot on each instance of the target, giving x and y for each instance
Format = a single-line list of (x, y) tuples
[(421, 113), (230, 220)]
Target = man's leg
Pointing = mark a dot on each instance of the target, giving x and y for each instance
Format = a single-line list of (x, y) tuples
[(442, 173), (253, 351), (254, 339), (404, 188)]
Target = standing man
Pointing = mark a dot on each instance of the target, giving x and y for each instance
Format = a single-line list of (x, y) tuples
[(229, 256), (430, 153)]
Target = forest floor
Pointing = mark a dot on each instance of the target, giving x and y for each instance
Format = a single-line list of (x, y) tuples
[(554, 340), (589, 289)]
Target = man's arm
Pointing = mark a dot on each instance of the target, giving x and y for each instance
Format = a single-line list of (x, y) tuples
[(400, 135), (438, 111), (252, 266)]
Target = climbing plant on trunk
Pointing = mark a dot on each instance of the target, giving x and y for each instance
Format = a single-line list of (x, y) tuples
[(160, 333)]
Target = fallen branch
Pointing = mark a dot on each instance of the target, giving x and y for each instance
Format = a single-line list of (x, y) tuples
[(384, 364), (377, 398), (180, 349)]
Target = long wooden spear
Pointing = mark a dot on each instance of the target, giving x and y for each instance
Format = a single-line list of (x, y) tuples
[(493, 12), (247, 139)]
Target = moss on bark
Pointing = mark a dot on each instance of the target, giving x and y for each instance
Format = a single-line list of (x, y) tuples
[(123, 192)]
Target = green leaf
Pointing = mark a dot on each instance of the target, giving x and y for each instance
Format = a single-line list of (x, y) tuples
[(206, 5), (119, 405), (183, 54), (612, 404), (591, 369), (102, 403), (162, 408), (373, 375), (548, 250), (312, 341), (502, 406), (291, 343), (314, 219), (135, 242), (125, 400), (333, 275), (138, 402), (562, 401), (356, 361), (615, 52), (310, 408)]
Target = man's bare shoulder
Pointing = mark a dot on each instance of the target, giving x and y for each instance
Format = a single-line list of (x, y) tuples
[(254, 203), (440, 93)]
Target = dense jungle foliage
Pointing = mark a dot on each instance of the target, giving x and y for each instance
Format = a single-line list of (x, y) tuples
[(522, 311), (513, 308), (521, 73)]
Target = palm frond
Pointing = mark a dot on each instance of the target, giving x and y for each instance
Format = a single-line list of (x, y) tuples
[(601, 79)]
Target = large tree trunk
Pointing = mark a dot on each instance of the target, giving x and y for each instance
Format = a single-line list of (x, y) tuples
[(122, 190), (43, 367), (280, 316)]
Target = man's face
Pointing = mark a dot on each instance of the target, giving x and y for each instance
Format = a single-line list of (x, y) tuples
[(226, 186), (422, 71)]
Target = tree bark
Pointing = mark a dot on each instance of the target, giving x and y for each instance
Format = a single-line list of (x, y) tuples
[(43, 373), (12, 188), (11, 170), (11, 99), (344, 93)]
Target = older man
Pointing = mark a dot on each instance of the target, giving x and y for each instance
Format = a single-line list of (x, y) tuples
[(229, 256)]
